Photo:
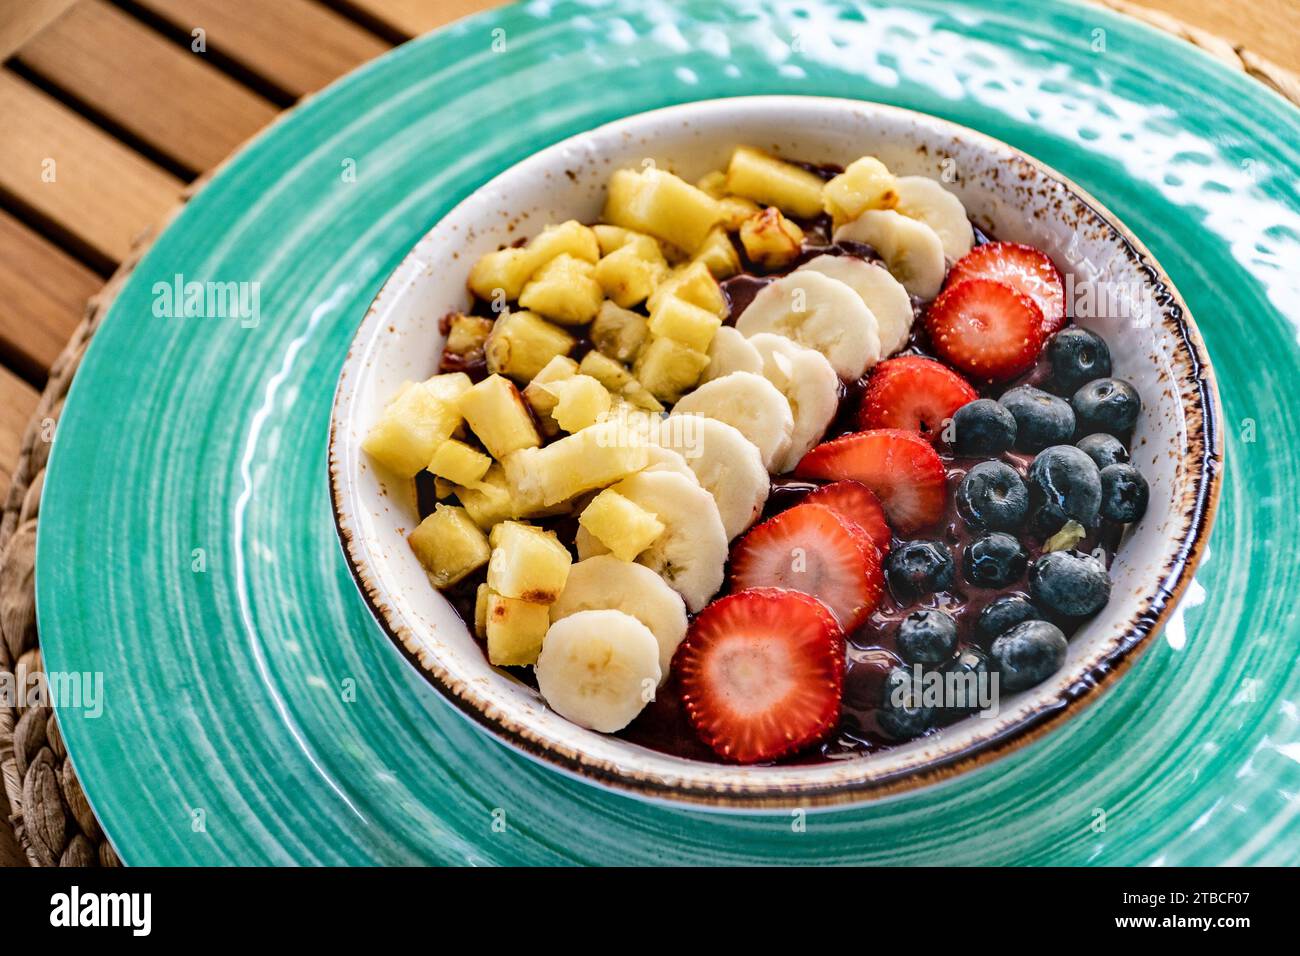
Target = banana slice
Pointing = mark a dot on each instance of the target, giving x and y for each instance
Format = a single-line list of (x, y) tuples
[(667, 460), (691, 552), (912, 251), (730, 352), (599, 669), (726, 463), (808, 383), (604, 582), (883, 294), (751, 404), (818, 312), (921, 198)]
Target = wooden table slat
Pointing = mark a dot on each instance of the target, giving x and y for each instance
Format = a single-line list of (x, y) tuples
[(413, 17), (17, 405), (23, 20)]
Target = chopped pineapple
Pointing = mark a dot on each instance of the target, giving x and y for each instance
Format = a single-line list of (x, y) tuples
[(771, 240), (774, 182), (668, 368), (442, 488), (631, 272), (414, 423), (522, 343), (688, 324), (655, 201), (865, 184), (615, 377), (488, 501), (737, 210), (713, 184), (570, 238), (612, 238), (498, 416), (501, 274), (527, 563), (718, 255), (693, 283), (618, 332), (540, 400), (459, 463), (466, 335), (448, 387), (621, 524), (588, 459), (449, 545), (564, 290), (480, 609), (580, 402), (515, 630)]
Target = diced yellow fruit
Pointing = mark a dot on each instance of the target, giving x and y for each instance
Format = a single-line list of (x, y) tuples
[(773, 182), (612, 238), (459, 463), (449, 545), (489, 500), (580, 402), (522, 343), (655, 201), (668, 368), (718, 255), (588, 459), (631, 272), (449, 386), (621, 524), (618, 332), (865, 184), (685, 323), (570, 238), (412, 425), (515, 630), (694, 284), (442, 488), (564, 290), (540, 400), (713, 184), (527, 563), (480, 609), (500, 275), (737, 210), (615, 377), (498, 416), (771, 240), (466, 335)]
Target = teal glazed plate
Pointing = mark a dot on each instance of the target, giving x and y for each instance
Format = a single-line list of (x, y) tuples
[(254, 712)]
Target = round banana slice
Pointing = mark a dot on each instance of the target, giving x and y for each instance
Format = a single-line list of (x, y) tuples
[(920, 197), (603, 582), (883, 294), (730, 352), (818, 312), (727, 464), (912, 251), (808, 383), (752, 405), (691, 553), (598, 669), (667, 460)]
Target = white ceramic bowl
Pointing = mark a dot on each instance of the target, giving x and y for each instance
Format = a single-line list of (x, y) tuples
[(1176, 445)]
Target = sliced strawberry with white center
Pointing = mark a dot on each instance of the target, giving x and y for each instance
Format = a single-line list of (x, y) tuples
[(858, 503), (987, 329), (915, 393), (1022, 267), (900, 467), (812, 549), (762, 673)]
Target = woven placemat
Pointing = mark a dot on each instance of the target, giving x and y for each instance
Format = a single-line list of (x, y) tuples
[(51, 821)]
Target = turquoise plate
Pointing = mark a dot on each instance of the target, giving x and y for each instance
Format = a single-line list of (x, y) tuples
[(253, 711)]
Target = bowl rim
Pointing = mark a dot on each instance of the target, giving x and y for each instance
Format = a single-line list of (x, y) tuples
[(1203, 458)]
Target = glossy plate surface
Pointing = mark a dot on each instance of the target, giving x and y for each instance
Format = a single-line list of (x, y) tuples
[(253, 713)]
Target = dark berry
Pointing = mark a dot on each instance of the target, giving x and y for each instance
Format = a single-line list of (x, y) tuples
[(1077, 356), (916, 568), (1106, 405), (1041, 419), (983, 427), (1124, 493), (992, 495), (994, 561), (1064, 484), (964, 675), (927, 636), (902, 716), (1103, 449), (1068, 583), (1002, 614), (1028, 654)]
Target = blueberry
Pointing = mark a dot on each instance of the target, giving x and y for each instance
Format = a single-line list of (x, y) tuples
[(902, 716), (993, 496), (1064, 484), (915, 568), (964, 674), (1041, 419), (1103, 449), (994, 561), (1077, 356), (1106, 405), (1124, 493), (1028, 654), (1002, 614), (927, 636), (1069, 583), (983, 427)]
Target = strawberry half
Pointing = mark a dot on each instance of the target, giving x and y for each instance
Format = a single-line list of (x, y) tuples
[(857, 502), (914, 393), (986, 329), (762, 673), (900, 467), (812, 549), (1022, 267)]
